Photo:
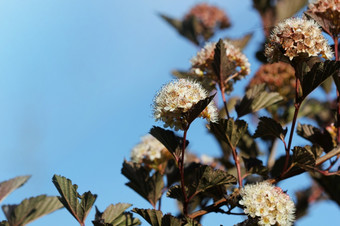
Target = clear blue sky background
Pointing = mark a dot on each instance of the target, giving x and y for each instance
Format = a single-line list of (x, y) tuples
[(77, 79)]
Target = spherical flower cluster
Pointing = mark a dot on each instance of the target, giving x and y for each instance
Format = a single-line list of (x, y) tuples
[(178, 97), (297, 37), (204, 58), (267, 202), (278, 77), (150, 150), (328, 11), (202, 66), (209, 16)]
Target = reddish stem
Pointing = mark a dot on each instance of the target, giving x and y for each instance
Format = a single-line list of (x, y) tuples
[(181, 170), (238, 167), (236, 159), (336, 46), (221, 85), (297, 108)]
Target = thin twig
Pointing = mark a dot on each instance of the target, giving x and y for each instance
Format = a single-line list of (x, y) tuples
[(327, 156), (217, 204), (181, 170), (238, 167), (297, 108), (319, 161), (271, 158), (222, 89)]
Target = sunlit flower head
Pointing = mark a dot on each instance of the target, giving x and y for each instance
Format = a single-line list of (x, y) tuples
[(149, 150), (297, 37), (328, 11), (204, 58), (209, 16), (269, 203), (202, 65), (177, 98)]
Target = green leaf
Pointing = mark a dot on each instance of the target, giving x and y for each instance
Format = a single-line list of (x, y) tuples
[(316, 136), (168, 138), (189, 28), (156, 218), (249, 222), (330, 184), (30, 209), (175, 192), (9, 186), (304, 157), (316, 110), (200, 178), (191, 222), (150, 188), (248, 146), (153, 217), (169, 220), (222, 66), (254, 165), (276, 170), (241, 42), (287, 8), (336, 78), (327, 85), (114, 215), (177, 24), (69, 198), (255, 99), (4, 223), (302, 202), (317, 75), (207, 177), (269, 127), (229, 130)]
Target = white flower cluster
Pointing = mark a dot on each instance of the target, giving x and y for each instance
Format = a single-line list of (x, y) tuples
[(178, 97), (298, 38), (269, 203), (205, 57), (149, 149)]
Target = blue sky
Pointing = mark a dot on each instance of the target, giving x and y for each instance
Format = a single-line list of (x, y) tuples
[(77, 79)]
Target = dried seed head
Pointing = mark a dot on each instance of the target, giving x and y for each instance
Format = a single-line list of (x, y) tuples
[(278, 77), (329, 13), (296, 37), (209, 16)]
